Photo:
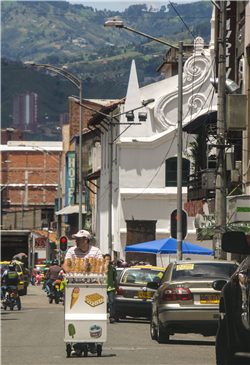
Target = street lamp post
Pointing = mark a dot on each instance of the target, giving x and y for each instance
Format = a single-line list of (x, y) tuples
[(78, 83), (119, 24)]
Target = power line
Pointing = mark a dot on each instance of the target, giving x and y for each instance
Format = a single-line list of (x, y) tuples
[(181, 19)]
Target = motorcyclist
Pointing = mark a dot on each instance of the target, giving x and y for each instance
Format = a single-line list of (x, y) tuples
[(52, 273), (119, 262), (10, 277)]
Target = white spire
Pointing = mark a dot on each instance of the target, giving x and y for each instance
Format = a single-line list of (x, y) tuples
[(133, 99)]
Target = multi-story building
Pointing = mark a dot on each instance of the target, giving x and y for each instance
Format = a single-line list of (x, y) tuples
[(70, 173), (25, 111)]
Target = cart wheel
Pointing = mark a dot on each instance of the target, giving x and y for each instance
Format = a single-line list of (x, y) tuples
[(68, 349), (99, 350), (85, 350)]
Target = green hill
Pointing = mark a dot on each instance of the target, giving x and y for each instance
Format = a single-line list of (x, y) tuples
[(73, 37), (38, 29)]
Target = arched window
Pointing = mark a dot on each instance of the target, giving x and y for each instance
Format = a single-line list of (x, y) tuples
[(171, 171)]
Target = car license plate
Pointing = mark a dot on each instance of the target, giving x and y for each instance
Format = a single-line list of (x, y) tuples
[(144, 294), (210, 298)]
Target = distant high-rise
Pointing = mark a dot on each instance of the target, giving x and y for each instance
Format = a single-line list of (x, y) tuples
[(25, 111)]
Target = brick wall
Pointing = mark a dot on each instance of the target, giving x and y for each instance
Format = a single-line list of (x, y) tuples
[(44, 171), (74, 115)]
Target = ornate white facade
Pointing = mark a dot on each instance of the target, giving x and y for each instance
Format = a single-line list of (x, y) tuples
[(139, 154)]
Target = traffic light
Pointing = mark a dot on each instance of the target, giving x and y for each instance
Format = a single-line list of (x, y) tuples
[(173, 221), (63, 243)]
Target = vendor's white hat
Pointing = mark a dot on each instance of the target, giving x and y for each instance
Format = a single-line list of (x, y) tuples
[(82, 233)]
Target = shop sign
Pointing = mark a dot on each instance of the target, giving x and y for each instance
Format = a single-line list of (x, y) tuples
[(205, 224), (40, 242), (71, 177)]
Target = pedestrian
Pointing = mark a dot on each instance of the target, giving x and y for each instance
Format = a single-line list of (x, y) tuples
[(111, 282), (33, 277), (82, 249), (20, 257), (38, 278)]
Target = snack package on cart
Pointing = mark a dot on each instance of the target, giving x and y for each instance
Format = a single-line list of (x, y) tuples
[(89, 269)]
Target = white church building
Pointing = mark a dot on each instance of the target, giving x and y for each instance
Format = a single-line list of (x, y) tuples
[(144, 156)]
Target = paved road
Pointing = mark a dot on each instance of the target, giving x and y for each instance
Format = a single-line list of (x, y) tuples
[(35, 335)]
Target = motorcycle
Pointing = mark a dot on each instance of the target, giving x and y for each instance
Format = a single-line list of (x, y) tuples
[(55, 292), (12, 298)]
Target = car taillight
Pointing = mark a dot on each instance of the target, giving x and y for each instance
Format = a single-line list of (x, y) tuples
[(119, 291), (177, 294)]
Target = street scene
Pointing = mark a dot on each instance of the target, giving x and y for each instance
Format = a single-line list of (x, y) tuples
[(39, 331), (125, 182)]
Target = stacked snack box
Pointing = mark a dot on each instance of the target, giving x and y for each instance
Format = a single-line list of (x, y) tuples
[(87, 267)]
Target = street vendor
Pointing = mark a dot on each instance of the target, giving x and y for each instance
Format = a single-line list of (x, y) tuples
[(82, 249)]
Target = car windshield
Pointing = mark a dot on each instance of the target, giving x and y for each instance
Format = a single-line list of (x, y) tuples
[(40, 269), (6, 266), (201, 270), (142, 276)]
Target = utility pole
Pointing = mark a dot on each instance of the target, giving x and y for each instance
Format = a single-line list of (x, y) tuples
[(59, 197), (80, 160), (220, 193), (179, 155), (110, 157)]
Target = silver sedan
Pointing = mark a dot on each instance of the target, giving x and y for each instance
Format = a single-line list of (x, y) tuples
[(187, 298)]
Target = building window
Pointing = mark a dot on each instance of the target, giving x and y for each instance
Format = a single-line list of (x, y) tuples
[(171, 171)]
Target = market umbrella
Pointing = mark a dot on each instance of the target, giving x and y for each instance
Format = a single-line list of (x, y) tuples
[(168, 246)]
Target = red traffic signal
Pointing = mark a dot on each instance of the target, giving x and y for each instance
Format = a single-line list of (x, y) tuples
[(63, 243), (173, 224)]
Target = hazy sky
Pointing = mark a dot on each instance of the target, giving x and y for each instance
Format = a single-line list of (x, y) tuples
[(122, 5)]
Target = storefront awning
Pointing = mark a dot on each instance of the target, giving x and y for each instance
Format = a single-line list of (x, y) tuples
[(202, 120), (71, 209)]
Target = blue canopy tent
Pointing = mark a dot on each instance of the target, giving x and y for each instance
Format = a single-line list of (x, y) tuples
[(168, 246)]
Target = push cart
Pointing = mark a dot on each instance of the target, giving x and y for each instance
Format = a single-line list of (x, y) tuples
[(85, 313)]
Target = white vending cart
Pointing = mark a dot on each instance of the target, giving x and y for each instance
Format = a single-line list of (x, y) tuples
[(85, 314)]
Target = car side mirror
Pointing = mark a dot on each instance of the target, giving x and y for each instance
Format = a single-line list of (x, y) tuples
[(218, 284), (235, 242), (153, 285)]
